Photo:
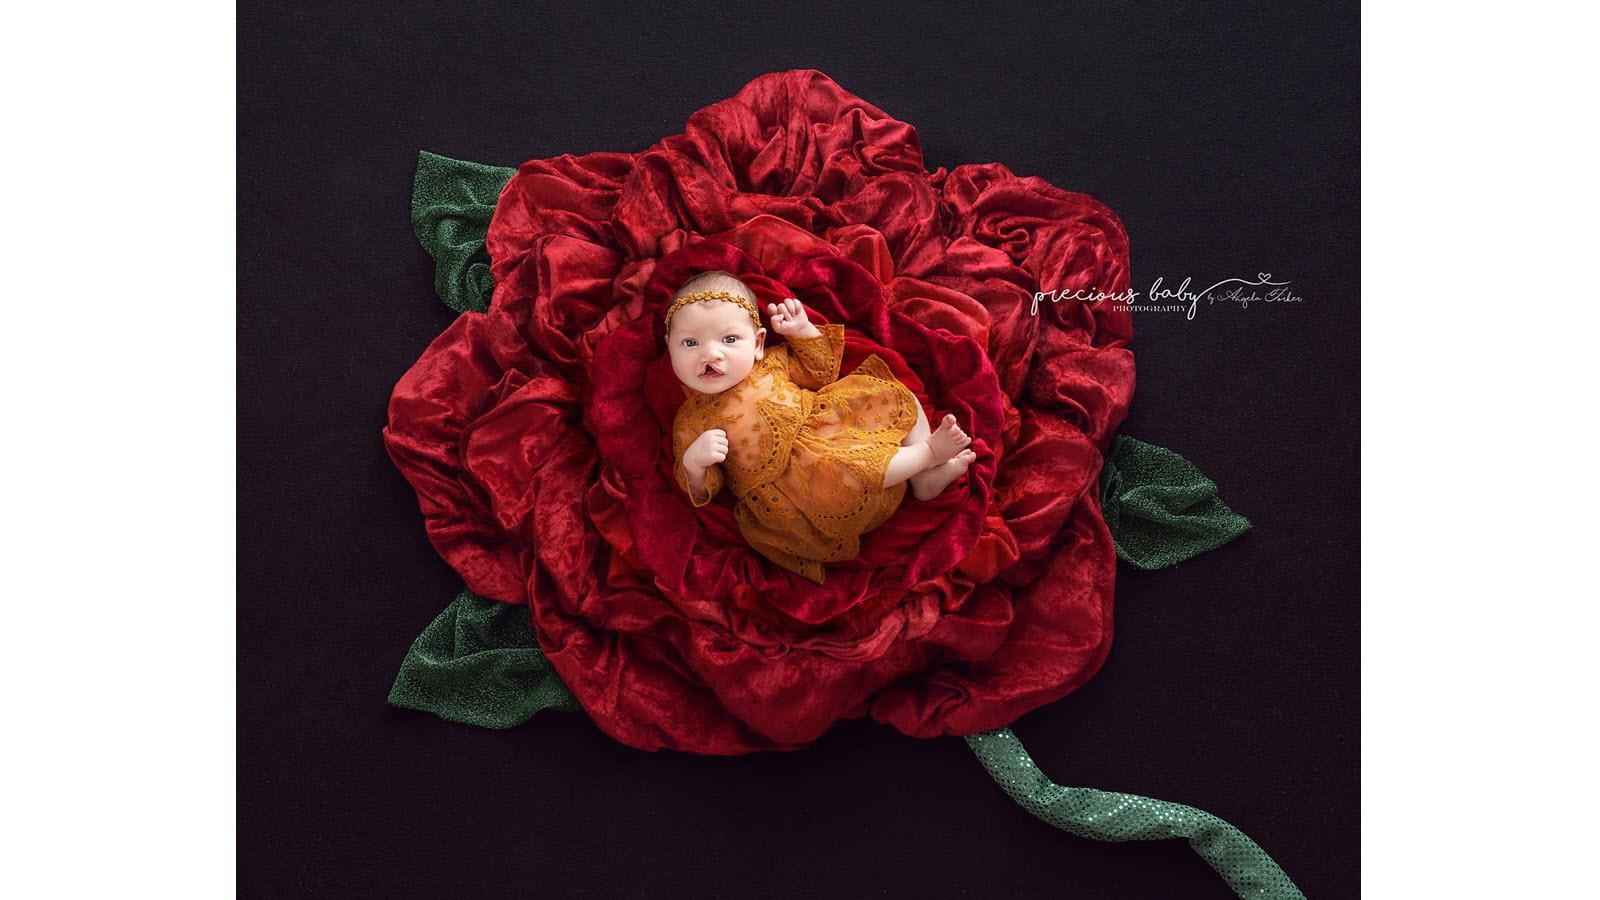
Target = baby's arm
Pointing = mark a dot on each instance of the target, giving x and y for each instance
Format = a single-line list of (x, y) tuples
[(814, 355), (696, 463), (814, 361)]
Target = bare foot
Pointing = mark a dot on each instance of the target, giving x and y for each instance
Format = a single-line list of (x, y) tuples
[(947, 440), (930, 483)]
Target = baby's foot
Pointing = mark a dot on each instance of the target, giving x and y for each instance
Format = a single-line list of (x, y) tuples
[(930, 483), (947, 440)]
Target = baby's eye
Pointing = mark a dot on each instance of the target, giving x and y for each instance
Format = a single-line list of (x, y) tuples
[(728, 339), (688, 342)]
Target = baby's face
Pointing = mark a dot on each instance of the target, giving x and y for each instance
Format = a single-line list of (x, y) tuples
[(714, 345)]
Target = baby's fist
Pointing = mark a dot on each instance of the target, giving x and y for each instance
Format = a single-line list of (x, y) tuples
[(788, 317), (710, 448)]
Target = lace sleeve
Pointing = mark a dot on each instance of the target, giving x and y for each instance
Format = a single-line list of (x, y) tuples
[(814, 361)]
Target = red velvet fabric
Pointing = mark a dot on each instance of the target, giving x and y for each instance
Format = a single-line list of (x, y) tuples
[(537, 435)]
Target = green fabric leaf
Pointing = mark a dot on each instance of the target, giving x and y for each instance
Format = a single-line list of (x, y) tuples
[(1160, 508), (451, 204), (480, 663), (1113, 816)]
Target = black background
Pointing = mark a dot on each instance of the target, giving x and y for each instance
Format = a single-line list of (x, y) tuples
[(1227, 141)]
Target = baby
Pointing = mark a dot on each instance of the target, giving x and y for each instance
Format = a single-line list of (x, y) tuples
[(815, 460)]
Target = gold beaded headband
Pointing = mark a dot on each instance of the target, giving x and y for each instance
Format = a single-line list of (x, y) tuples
[(679, 303)]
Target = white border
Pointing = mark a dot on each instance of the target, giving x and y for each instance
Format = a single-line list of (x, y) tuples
[(1478, 498), (119, 481)]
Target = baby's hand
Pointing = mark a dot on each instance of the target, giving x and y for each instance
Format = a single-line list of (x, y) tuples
[(710, 448), (789, 318)]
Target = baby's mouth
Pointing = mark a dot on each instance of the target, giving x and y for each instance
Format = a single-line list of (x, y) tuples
[(710, 371)]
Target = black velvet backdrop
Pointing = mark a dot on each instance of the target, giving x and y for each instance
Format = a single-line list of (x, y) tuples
[(1225, 138)]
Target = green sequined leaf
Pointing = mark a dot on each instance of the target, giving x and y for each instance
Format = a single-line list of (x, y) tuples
[(1160, 508), (1114, 816), (479, 663), (451, 204)]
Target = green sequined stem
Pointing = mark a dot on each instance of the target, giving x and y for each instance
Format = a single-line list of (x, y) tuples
[(1112, 816)]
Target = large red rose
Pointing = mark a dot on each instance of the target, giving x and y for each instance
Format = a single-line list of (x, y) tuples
[(537, 435)]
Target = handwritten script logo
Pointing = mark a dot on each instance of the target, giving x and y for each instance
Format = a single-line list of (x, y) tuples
[(1181, 298)]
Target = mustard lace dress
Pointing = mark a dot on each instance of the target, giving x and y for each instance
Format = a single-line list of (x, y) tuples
[(807, 450)]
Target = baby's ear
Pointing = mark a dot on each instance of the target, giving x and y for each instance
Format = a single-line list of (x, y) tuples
[(761, 343)]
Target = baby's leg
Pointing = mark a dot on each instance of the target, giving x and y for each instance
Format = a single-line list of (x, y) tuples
[(930, 483), (930, 460), (906, 462), (918, 432), (909, 460)]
